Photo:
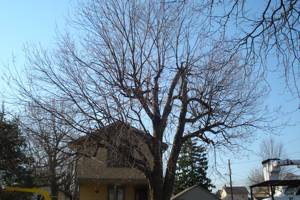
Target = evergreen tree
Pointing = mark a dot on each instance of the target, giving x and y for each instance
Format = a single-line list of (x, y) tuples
[(14, 162), (192, 167)]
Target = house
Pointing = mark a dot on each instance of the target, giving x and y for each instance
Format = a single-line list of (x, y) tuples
[(104, 174), (261, 193), (195, 192), (239, 193)]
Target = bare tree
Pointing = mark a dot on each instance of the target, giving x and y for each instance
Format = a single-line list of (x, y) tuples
[(269, 148), (156, 66), (256, 176), (48, 137), (264, 29)]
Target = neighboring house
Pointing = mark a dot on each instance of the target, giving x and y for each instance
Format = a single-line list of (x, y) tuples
[(261, 193), (239, 193), (103, 174), (195, 192)]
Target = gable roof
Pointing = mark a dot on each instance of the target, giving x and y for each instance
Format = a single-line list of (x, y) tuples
[(94, 135), (192, 188), (236, 190)]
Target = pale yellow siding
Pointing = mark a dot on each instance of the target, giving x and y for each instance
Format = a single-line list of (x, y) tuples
[(96, 168)]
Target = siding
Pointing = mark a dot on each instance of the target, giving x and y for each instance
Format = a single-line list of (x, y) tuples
[(95, 168)]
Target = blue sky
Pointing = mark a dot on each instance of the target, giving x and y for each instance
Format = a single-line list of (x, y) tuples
[(30, 21), (35, 21)]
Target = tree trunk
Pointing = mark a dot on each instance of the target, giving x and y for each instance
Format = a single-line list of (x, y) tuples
[(54, 191), (156, 191), (156, 180), (171, 168), (177, 144), (170, 175), (52, 179), (53, 188)]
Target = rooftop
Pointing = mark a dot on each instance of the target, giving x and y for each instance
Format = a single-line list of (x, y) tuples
[(236, 190)]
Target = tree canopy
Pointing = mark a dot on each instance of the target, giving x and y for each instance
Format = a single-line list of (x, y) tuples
[(157, 66)]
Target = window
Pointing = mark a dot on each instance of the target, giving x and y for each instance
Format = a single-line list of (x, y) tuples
[(116, 193)]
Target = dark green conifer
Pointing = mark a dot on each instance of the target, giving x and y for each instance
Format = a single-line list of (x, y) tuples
[(14, 162), (192, 167)]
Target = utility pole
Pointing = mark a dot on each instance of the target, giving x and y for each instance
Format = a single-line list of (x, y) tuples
[(229, 168)]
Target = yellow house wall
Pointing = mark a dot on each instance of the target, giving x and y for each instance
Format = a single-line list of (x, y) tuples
[(90, 191), (95, 167)]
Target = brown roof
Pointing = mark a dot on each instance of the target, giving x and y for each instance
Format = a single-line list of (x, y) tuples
[(236, 190), (110, 128)]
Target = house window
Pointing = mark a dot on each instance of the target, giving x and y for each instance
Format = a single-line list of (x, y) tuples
[(116, 193)]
